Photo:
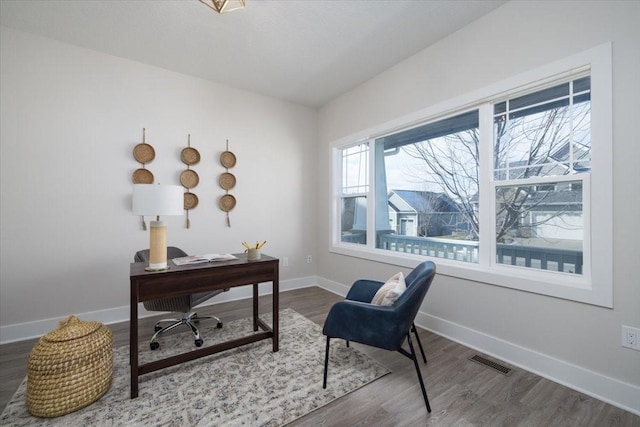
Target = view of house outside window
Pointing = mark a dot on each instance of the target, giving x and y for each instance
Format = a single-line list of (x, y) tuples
[(498, 185), (547, 133), (432, 183), (426, 188)]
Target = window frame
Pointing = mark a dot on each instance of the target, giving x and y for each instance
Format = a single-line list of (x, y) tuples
[(595, 284)]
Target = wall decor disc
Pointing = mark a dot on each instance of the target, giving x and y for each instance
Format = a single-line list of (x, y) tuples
[(189, 178), (228, 159), (227, 180), (227, 202), (142, 176), (190, 201), (190, 156), (144, 153)]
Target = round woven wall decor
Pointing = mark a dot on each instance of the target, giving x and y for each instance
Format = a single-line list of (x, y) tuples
[(190, 201), (227, 202), (190, 156), (142, 176), (228, 159), (227, 181), (144, 153), (189, 178)]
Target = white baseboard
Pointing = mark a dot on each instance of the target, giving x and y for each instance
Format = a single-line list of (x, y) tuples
[(335, 287), (615, 392), (610, 390), (36, 329)]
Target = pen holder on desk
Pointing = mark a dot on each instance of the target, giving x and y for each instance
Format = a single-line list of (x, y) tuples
[(253, 254)]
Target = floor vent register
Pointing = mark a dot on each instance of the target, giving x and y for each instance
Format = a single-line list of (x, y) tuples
[(491, 364)]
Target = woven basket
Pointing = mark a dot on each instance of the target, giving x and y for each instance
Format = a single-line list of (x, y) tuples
[(69, 368)]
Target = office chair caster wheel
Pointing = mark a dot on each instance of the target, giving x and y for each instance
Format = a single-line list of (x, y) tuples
[(219, 325), (199, 342), (156, 328), (154, 345)]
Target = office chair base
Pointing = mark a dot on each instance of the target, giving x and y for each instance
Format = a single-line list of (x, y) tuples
[(188, 319)]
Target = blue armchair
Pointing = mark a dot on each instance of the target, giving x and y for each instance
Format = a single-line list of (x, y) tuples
[(386, 327)]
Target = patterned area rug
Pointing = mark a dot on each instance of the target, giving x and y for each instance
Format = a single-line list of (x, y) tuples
[(248, 386)]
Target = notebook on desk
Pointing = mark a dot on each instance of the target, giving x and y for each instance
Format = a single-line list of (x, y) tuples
[(197, 259)]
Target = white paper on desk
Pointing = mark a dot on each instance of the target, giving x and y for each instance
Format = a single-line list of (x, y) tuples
[(196, 259)]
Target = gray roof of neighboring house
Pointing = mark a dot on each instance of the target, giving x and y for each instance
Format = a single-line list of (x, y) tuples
[(422, 201), (399, 204)]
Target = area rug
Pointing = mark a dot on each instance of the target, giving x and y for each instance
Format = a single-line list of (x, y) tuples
[(248, 386)]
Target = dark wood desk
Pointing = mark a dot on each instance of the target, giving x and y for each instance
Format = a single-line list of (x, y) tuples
[(188, 279)]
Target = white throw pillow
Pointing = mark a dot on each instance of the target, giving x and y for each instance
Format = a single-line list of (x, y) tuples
[(390, 291)]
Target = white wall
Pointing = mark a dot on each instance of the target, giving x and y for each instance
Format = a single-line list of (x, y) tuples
[(573, 343), (70, 119)]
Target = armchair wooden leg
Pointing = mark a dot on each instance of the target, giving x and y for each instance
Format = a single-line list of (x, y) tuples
[(415, 362), (415, 332), (326, 364)]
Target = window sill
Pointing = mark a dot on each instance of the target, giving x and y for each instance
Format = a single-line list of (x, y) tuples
[(558, 285)]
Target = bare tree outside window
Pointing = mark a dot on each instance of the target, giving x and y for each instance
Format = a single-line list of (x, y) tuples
[(543, 134), (452, 166)]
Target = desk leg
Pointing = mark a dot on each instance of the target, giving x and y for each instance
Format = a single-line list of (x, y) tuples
[(133, 340), (276, 311), (255, 307)]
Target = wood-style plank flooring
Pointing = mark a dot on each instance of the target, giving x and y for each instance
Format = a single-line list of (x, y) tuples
[(461, 392)]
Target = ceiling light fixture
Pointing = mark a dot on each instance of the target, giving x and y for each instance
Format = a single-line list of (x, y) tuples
[(222, 6)]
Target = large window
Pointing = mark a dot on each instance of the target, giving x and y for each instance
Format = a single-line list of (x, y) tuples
[(428, 176), (496, 191), (541, 155)]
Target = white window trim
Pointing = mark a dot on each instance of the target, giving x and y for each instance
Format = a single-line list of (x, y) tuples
[(595, 285)]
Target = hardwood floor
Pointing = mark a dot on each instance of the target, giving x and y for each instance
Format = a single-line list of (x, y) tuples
[(461, 392)]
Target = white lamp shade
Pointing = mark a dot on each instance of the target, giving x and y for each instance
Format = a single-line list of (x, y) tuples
[(158, 200)]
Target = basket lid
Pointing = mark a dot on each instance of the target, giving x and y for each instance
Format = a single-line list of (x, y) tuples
[(72, 328)]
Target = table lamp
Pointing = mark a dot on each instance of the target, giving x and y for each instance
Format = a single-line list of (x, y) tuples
[(158, 200)]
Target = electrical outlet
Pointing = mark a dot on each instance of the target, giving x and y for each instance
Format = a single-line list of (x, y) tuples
[(285, 262), (631, 337), (309, 259)]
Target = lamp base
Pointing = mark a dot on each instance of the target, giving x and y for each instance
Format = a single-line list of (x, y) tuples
[(157, 247), (156, 268)]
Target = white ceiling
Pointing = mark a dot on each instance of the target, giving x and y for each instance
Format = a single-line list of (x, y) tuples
[(304, 51)]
